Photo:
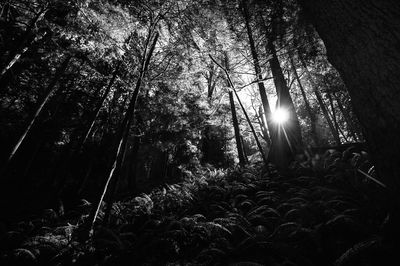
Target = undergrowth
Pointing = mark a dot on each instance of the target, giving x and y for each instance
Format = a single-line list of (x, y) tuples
[(320, 212)]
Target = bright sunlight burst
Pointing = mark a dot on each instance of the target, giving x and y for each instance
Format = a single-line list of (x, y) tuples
[(280, 116)]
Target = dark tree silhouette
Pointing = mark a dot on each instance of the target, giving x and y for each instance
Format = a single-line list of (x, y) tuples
[(361, 39)]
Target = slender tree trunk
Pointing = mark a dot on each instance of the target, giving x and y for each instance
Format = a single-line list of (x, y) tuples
[(50, 90), (211, 82), (257, 68), (262, 121), (244, 150), (96, 112), (320, 101), (311, 114), (260, 149), (113, 188), (239, 146), (23, 44), (347, 118), (89, 129), (251, 126), (334, 117), (123, 131)]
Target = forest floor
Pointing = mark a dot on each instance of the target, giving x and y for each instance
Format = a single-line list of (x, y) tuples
[(322, 214)]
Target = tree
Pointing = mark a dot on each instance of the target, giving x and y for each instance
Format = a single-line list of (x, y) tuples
[(257, 68), (235, 123), (49, 92), (310, 112), (231, 85), (123, 131), (289, 140), (367, 59), (321, 102)]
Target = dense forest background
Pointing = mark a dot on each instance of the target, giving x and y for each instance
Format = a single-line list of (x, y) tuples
[(108, 107)]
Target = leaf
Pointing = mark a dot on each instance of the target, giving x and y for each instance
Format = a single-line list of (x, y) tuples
[(217, 229), (285, 229), (199, 217), (264, 210), (22, 256), (360, 253)]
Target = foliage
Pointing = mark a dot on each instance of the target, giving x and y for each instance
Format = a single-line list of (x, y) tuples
[(218, 216)]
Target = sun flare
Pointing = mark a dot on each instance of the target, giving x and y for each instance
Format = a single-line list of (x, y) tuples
[(280, 116)]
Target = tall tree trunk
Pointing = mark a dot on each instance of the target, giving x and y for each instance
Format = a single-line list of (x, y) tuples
[(334, 117), (23, 44), (123, 131), (257, 68), (292, 128), (361, 38), (288, 139), (96, 112), (246, 159), (321, 103), (211, 81), (311, 114), (239, 145), (260, 149), (50, 90), (347, 119), (262, 121)]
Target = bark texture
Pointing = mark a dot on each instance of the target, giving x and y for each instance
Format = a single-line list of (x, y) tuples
[(362, 39)]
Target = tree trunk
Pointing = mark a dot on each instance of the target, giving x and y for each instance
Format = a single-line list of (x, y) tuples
[(23, 44), (321, 103), (260, 149), (96, 112), (262, 121), (334, 117), (257, 68), (50, 89), (347, 119), (288, 138), (211, 81), (311, 114), (123, 131), (246, 159), (239, 145), (361, 38)]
